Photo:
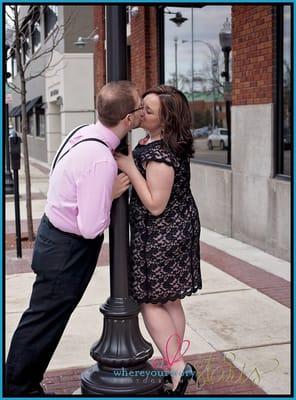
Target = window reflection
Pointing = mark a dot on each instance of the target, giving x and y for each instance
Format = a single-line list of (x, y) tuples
[(287, 117), (193, 62)]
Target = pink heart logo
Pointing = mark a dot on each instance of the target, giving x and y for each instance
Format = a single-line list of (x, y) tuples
[(178, 352)]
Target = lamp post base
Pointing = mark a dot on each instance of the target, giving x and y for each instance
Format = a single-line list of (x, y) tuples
[(144, 381), (8, 183), (122, 355)]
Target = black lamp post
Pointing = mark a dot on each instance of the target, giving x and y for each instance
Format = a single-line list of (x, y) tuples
[(226, 42), (122, 352), (8, 175), (178, 19)]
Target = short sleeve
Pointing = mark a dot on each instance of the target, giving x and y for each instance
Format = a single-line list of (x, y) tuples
[(159, 154)]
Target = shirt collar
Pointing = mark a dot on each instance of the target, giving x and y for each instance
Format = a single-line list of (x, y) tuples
[(109, 137)]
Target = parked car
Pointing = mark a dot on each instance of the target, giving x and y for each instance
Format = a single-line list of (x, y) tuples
[(200, 132), (219, 138)]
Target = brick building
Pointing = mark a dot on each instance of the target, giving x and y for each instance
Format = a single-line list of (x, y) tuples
[(245, 196)]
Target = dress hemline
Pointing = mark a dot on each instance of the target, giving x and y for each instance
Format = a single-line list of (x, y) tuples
[(171, 298)]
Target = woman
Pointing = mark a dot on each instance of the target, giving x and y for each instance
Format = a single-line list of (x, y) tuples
[(165, 228)]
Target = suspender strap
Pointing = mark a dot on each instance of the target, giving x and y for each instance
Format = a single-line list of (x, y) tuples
[(84, 140), (64, 144)]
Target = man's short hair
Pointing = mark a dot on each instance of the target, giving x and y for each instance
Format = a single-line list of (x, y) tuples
[(114, 101)]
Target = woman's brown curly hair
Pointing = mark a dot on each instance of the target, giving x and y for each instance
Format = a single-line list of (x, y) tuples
[(176, 117)]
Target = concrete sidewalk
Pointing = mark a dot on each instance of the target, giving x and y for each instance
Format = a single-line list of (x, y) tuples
[(238, 325)]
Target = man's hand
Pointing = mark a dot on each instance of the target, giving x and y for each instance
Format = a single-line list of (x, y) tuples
[(120, 185)]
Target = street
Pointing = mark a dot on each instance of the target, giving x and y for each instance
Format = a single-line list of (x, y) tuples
[(204, 154)]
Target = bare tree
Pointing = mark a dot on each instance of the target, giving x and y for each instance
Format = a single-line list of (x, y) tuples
[(21, 27), (183, 81)]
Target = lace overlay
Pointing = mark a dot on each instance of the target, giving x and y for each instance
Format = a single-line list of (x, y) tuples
[(164, 252)]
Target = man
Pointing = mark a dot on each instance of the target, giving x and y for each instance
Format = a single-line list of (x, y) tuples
[(83, 182)]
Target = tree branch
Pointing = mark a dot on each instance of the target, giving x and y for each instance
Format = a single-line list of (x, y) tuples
[(29, 78), (14, 87), (47, 51)]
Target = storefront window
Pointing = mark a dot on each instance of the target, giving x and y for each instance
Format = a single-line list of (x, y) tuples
[(194, 61), (31, 124), (40, 122), (13, 65), (36, 36), (50, 18), (26, 48)]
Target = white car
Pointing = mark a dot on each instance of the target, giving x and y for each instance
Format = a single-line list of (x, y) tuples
[(200, 132), (219, 138)]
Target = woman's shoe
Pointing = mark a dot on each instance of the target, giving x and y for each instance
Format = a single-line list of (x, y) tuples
[(189, 372), (167, 379)]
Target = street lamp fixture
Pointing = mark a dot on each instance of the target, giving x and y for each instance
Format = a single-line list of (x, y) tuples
[(225, 36), (82, 41), (225, 43), (178, 19)]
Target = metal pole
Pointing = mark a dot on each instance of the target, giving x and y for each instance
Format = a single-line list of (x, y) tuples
[(213, 90), (15, 146), (192, 62), (176, 62), (17, 214), (121, 347), (227, 104), (8, 175)]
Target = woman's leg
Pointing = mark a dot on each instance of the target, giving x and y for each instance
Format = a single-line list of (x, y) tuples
[(162, 329), (176, 312)]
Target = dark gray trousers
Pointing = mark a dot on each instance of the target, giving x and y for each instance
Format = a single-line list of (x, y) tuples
[(64, 264)]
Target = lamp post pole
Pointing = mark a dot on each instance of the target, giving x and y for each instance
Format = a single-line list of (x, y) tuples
[(176, 61), (214, 69), (121, 351), (8, 175), (226, 42), (226, 51), (192, 54)]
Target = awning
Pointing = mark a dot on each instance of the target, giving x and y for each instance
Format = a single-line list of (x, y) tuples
[(34, 102), (16, 111)]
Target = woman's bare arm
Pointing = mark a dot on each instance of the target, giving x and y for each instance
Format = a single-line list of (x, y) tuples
[(154, 191)]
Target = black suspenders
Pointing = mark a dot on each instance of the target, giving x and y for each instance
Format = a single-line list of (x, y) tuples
[(66, 141)]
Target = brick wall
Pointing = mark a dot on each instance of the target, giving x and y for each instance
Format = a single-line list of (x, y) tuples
[(99, 52), (253, 54), (144, 49)]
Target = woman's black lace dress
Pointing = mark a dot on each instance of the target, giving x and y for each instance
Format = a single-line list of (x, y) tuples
[(164, 253)]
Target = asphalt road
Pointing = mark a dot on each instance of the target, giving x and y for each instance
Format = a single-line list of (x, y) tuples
[(220, 156), (204, 154)]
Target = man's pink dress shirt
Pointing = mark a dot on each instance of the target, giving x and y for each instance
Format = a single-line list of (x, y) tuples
[(80, 186)]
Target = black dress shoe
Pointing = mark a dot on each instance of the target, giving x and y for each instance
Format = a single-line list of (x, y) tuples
[(189, 372)]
